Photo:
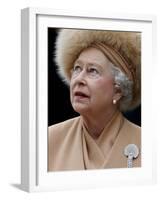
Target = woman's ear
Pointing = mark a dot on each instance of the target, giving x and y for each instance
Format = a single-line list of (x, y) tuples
[(117, 92)]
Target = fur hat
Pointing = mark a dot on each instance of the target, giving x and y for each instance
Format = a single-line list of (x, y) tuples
[(70, 43)]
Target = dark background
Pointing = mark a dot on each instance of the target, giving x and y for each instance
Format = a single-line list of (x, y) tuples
[(59, 106)]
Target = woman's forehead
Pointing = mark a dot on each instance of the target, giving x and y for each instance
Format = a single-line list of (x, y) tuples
[(92, 55)]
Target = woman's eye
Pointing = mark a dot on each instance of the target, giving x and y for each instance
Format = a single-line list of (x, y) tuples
[(93, 71), (77, 68)]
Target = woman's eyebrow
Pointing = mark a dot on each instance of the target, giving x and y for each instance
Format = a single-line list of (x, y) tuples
[(88, 63), (94, 64)]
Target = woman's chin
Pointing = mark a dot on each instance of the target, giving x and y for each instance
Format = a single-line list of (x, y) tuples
[(80, 108)]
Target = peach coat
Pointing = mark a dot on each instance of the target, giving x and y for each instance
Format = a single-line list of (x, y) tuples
[(70, 146)]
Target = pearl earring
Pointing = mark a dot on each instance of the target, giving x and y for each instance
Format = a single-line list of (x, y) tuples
[(114, 101)]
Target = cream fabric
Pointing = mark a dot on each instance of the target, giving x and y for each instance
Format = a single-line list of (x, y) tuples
[(70, 146)]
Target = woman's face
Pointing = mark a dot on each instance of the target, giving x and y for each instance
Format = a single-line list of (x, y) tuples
[(92, 83)]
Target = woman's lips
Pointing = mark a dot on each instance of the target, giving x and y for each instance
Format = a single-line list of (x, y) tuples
[(80, 95)]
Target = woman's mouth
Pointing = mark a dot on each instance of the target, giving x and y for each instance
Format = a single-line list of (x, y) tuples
[(80, 95)]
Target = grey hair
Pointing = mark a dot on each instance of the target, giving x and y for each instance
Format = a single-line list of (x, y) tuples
[(126, 87)]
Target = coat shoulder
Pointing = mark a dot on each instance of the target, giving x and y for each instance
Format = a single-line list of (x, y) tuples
[(132, 127), (57, 135), (62, 128), (132, 132)]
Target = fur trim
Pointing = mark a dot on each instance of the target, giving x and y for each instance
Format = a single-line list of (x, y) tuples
[(70, 43)]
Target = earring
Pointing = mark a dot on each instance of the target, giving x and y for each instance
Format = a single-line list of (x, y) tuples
[(114, 101)]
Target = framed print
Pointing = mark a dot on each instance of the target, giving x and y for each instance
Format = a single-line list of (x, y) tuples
[(84, 98)]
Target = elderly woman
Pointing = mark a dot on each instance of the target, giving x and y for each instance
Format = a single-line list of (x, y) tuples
[(103, 71)]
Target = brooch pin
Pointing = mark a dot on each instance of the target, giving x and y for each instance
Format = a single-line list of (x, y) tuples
[(131, 151)]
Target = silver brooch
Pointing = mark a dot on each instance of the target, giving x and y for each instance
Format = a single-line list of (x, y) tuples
[(131, 151)]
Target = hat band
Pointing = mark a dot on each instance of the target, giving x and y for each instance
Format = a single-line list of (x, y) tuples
[(117, 59)]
